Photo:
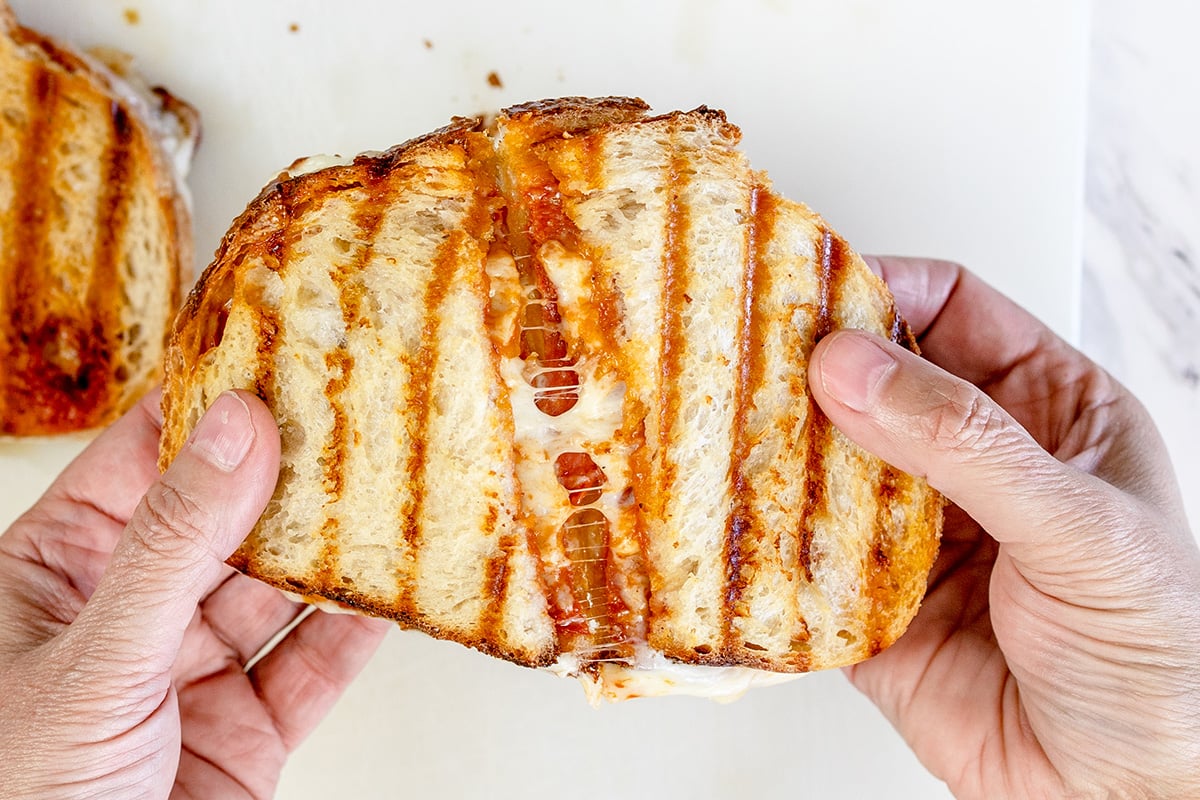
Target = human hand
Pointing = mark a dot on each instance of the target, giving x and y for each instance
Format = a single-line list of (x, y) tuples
[(124, 638), (1056, 651)]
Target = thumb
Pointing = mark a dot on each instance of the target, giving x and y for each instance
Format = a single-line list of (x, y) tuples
[(172, 550), (925, 421)]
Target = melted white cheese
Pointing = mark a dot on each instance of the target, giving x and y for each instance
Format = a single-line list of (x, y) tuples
[(176, 136), (316, 163), (323, 604), (654, 675), (651, 675)]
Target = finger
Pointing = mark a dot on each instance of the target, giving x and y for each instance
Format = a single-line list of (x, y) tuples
[(928, 422), (233, 624), (76, 524), (125, 456), (230, 748), (1071, 407), (304, 675), (172, 550), (921, 286), (962, 323), (245, 614)]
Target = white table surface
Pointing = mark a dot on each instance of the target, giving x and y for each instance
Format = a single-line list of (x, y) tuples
[(932, 127)]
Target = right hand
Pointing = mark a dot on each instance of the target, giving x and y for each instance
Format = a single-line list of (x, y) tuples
[(1057, 652)]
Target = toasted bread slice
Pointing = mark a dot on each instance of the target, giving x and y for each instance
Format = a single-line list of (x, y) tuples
[(541, 388), (95, 234)]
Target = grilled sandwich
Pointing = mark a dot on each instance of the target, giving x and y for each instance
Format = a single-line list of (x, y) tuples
[(541, 389), (95, 234)]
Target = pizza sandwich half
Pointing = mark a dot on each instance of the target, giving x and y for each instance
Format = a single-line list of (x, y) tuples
[(541, 387)]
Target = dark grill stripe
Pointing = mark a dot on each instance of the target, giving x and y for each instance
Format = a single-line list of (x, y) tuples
[(495, 584), (833, 255), (340, 364), (891, 490), (674, 291), (35, 166), (499, 569), (27, 236), (268, 329), (269, 333), (112, 220), (480, 228), (742, 529), (880, 591), (416, 404), (270, 325)]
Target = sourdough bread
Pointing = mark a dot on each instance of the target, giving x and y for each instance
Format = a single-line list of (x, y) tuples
[(541, 387), (95, 236)]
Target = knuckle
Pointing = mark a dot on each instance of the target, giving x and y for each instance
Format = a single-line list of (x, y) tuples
[(170, 520), (966, 421)]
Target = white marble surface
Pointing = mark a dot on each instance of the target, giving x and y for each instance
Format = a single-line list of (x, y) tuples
[(1141, 279)]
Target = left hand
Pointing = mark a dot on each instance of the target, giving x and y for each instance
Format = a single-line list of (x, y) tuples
[(124, 637)]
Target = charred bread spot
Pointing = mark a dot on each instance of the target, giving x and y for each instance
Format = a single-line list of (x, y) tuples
[(211, 313)]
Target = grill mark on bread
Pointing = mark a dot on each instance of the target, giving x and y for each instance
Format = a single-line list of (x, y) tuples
[(880, 591), (58, 378), (893, 487), (268, 325), (416, 400), (27, 237), (112, 219), (367, 218), (833, 256), (340, 365), (112, 214), (481, 226), (743, 529), (495, 583), (269, 333), (661, 475)]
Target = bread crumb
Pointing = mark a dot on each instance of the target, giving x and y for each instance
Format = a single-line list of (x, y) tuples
[(428, 44), (294, 27), (132, 16), (494, 81)]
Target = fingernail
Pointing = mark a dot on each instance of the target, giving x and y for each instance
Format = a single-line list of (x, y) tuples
[(225, 433), (853, 367)]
